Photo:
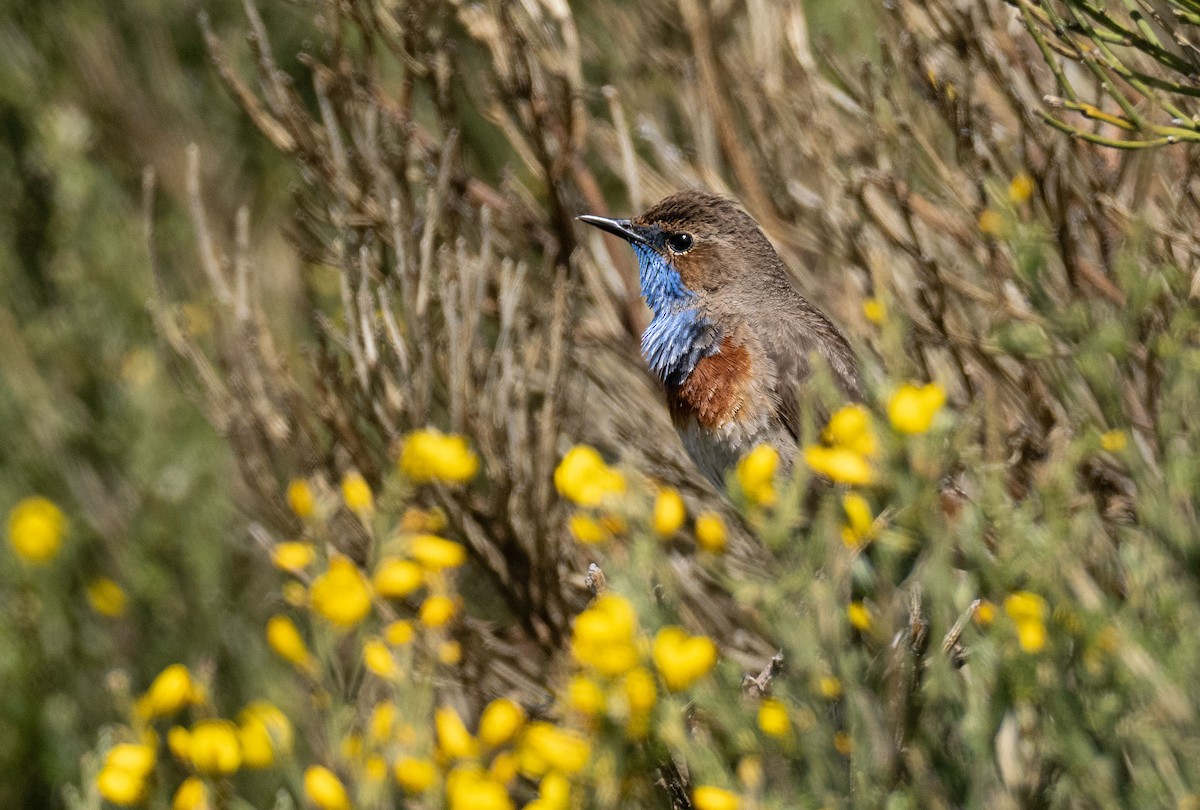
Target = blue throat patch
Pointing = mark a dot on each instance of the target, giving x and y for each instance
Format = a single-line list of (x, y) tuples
[(679, 336)]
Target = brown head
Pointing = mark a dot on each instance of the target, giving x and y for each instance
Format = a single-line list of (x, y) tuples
[(710, 244)]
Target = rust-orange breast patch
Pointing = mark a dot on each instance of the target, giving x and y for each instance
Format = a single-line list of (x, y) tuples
[(715, 391)]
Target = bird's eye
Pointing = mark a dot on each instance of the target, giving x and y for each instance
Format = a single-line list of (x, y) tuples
[(679, 242)]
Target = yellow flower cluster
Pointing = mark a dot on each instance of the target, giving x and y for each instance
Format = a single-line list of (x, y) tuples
[(604, 637), (431, 456), (477, 769), (122, 778), (911, 408), (614, 680), (35, 529), (211, 748), (848, 445), (583, 478), (1028, 612)]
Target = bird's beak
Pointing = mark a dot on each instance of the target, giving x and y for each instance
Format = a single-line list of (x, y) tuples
[(617, 227)]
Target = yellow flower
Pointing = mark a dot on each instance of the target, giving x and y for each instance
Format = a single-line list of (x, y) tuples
[(707, 797), (843, 743), (682, 659), (324, 789), (874, 310), (710, 532), (546, 747), (396, 578), (1028, 611), (35, 529), (839, 464), (860, 526), (859, 615), (756, 474), (136, 758), (378, 659), (351, 746), (415, 775), (554, 793), (284, 638), (1113, 441), (587, 529), (985, 613), (500, 722), (603, 636), (437, 611), (436, 553), (449, 653), (454, 741), (429, 455), (851, 427), (911, 409), (342, 595), (192, 794), (470, 789), (398, 633), (669, 512), (585, 696), (773, 718), (991, 223), (640, 690), (263, 733), (293, 557), (829, 687), (300, 497), (375, 769), (214, 748), (1031, 636), (1020, 189), (106, 597), (382, 722), (356, 492), (179, 742), (294, 593), (504, 767), (170, 691), (122, 779), (750, 772), (583, 478), (417, 521), (1025, 606)]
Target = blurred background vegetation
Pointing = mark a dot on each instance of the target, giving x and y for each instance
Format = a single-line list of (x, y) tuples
[(424, 160)]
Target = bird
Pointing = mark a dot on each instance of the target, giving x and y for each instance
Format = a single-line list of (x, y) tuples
[(731, 338)]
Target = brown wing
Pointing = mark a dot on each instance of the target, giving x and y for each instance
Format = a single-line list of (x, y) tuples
[(790, 345)]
